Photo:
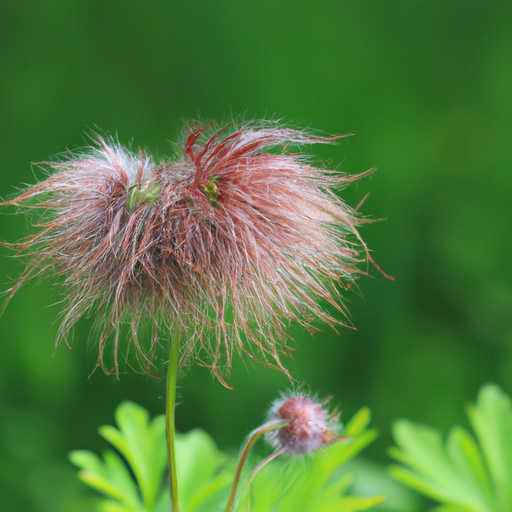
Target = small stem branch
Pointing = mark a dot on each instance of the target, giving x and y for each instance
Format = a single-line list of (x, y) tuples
[(253, 437), (264, 462), (172, 374)]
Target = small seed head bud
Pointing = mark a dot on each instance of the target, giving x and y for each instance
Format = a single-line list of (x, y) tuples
[(310, 424)]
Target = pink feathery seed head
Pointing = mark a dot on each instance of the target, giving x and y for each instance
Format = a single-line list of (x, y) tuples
[(226, 245), (310, 425)]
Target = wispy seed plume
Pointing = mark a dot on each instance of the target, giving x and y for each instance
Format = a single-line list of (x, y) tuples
[(225, 245)]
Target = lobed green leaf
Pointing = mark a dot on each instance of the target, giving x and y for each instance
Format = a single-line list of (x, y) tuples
[(467, 474)]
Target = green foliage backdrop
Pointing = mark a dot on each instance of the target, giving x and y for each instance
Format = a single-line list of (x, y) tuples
[(427, 87)]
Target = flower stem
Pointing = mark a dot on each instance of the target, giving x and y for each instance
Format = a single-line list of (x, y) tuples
[(253, 437), (172, 373)]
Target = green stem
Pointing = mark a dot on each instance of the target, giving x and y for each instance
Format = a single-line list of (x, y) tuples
[(172, 374), (253, 437)]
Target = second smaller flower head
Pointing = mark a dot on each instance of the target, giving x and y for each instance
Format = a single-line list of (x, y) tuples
[(310, 425)]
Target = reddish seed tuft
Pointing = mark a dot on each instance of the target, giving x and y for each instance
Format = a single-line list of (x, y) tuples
[(310, 425), (224, 247)]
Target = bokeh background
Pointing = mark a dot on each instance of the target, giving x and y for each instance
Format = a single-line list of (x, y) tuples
[(427, 86)]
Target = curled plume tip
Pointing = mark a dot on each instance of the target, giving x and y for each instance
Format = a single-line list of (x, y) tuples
[(224, 245)]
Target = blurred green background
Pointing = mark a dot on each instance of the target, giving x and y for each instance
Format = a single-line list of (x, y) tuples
[(427, 86)]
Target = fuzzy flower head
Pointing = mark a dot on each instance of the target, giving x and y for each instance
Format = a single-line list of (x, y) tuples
[(220, 248), (310, 425)]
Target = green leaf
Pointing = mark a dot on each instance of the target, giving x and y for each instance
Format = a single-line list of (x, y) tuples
[(142, 445), (417, 483), (466, 457), (198, 460), (466, 474), (452, 508), (114, 506), (491, 418), (358, 422), (110, 477), (353, 503)]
